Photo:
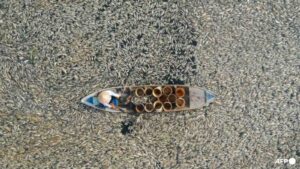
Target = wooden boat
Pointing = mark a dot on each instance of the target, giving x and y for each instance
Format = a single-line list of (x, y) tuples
[(186, 98)]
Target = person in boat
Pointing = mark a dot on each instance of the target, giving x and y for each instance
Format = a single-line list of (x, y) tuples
[(111, 99)]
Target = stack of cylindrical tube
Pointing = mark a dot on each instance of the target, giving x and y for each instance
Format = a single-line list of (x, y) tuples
[(144, 92), (162, 98), (167, 92), (139, 92), (180, 93)]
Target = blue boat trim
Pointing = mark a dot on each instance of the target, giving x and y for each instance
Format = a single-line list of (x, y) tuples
[(114, 100), (94, 101), (209, 97)]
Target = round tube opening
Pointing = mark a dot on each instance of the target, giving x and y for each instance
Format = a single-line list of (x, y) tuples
[(157, 92), (148, 91), (139, 108), (149, 107), (139, 92), (172, 98), (180, 92), (163, 98), (167, 90), (180, 102), (167, 106)]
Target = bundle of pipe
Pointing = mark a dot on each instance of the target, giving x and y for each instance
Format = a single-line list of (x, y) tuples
[(180, 101)]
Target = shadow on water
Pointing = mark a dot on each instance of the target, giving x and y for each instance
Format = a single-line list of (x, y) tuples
[(126, 127), (176, 81), (171, 80)]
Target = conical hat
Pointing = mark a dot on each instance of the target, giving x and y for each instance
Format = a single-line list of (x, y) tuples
[(104, 97)]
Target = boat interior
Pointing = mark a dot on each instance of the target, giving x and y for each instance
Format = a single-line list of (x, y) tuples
[(150, 98)]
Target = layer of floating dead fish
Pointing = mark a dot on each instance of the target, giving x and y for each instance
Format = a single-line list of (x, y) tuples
[(77, 48)]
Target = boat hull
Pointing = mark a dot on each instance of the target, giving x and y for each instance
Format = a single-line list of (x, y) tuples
[(193, 98)]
